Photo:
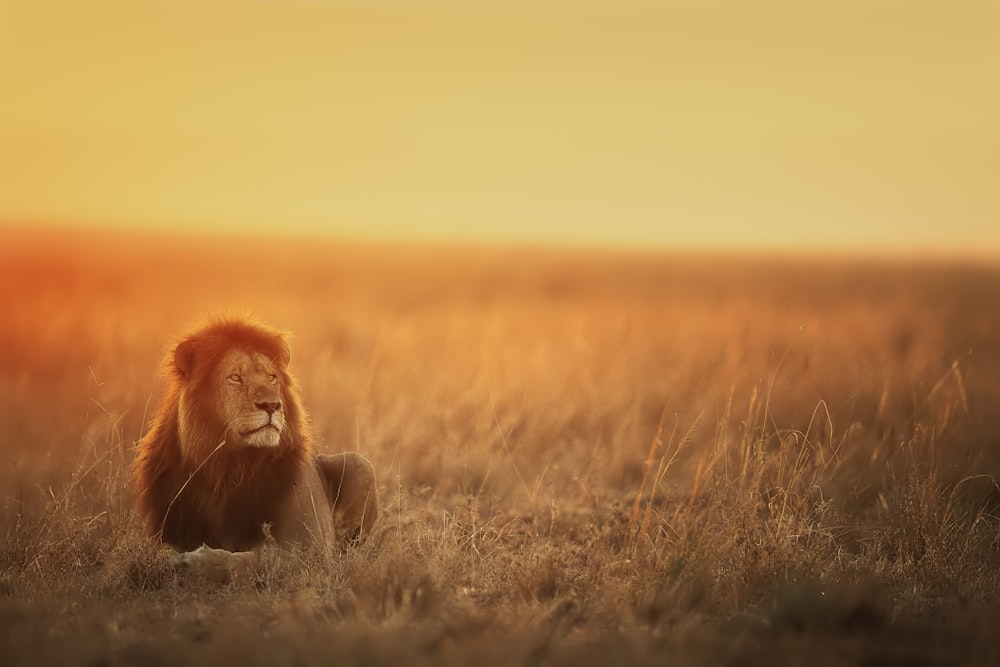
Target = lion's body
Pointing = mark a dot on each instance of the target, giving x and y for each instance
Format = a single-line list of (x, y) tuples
[(229, 452)]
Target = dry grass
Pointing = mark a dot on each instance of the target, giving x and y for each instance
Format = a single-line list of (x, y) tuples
[(584, 459)]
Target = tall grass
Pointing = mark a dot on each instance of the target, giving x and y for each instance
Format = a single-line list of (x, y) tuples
[(578, 458)]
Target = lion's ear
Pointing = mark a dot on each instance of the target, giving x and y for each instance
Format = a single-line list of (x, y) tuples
[(184, 358)]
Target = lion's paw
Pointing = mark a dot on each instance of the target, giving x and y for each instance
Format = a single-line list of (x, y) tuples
[(217, 565)]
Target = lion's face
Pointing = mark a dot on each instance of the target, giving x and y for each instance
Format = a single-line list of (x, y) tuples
[(249, 398)]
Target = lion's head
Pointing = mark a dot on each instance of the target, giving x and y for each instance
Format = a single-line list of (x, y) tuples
[(233, 384), (229, 439)]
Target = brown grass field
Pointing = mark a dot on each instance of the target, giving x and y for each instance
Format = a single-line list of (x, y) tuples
[(584, 457)]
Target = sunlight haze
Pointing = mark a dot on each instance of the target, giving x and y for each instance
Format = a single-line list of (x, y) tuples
[(775, 124)]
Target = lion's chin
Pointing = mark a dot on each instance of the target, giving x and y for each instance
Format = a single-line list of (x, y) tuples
[(268, 436)]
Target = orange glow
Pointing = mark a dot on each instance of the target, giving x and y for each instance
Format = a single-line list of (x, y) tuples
[(776, 124)]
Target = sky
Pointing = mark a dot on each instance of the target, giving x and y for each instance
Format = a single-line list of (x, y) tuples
[(790, 124)]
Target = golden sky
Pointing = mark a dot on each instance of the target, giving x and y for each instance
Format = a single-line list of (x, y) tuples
[(774, 123)]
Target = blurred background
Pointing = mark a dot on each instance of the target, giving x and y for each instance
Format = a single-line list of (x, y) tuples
[(853, 126)]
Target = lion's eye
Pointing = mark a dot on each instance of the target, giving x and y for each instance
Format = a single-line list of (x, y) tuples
[(272, 378), (235, 378)]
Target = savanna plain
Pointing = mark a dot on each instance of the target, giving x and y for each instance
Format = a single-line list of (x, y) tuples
[(584, 457)]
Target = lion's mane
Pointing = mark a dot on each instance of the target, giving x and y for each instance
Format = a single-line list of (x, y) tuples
[(197, 492)]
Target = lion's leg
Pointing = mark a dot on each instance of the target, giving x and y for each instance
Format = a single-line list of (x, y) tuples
[(349, 481)]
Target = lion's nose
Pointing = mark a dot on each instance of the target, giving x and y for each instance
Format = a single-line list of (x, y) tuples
[(269, 408)]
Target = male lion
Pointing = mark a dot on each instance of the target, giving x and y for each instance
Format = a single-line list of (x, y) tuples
[(228, 457)]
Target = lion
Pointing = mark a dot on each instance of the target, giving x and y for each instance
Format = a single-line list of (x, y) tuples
[(228, 464)]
